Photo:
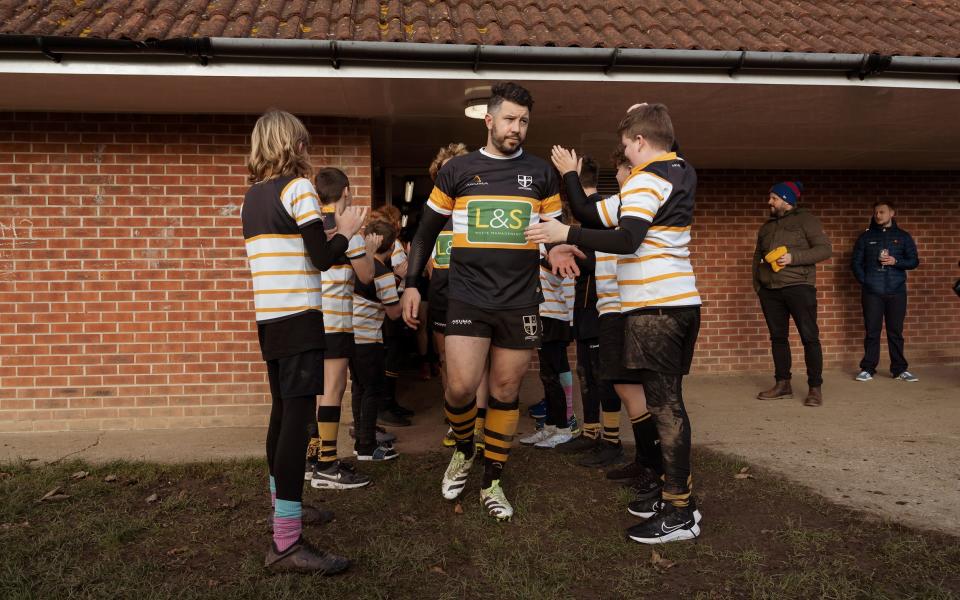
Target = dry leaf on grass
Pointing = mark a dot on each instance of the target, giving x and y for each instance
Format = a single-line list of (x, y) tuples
[(659, 562), (152, 498), (458, 509), (175, 551), (54, 495), (438, 569), (110, 478), (79, 475), (743, 474)]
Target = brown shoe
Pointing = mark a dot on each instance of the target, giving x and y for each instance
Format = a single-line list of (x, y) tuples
[(781, 391), (814, 397), (308, 516), (301, 557)]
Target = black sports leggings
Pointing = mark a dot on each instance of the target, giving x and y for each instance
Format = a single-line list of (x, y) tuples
[(553, 361), (287, 437), (665, 402)]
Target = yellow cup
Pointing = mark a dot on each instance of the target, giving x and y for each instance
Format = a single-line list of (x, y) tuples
[(772, 257)]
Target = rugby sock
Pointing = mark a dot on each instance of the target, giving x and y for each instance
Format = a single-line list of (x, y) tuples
[(273, 492), (611, 426), (566, 380), (591, 431), (287, 523), (462, 420), (478, 428), (679, 500), (501, 425), (328, 421), (648, 442), (313, 450)]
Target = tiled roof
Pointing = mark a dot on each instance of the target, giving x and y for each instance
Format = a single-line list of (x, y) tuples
[(899, 27)]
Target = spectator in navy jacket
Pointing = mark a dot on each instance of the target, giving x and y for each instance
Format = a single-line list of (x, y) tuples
[(881, 258)]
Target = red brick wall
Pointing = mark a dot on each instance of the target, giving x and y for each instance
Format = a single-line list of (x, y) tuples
[(124, 291), (731, 207)]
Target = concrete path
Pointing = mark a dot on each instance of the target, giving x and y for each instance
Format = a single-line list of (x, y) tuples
[(886, 447)]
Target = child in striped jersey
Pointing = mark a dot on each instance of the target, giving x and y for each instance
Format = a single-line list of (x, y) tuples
[(371, 302), (391, 412), (660, 303), (644, 473), (324, 470), (287, 249), (556, 315)]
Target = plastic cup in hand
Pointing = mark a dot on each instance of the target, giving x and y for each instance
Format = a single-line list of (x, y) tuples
[(883, 255)]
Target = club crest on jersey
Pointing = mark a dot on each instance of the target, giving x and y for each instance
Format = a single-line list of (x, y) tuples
[(524, 181), (530, 324)]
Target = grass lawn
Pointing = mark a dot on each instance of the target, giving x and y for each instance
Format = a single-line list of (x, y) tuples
[(204, 536)]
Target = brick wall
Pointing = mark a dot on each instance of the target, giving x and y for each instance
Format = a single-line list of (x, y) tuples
[(124, 291), (731, 207)]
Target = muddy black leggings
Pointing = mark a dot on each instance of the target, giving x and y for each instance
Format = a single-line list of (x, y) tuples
[(665, 402)]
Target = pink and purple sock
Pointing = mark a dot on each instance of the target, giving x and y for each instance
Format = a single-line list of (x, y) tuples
[(287, 523)]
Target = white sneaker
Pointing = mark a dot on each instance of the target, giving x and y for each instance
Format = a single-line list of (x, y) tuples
[(538, 436), (561, 436), (496, 503), (864, 376), (455, 477)]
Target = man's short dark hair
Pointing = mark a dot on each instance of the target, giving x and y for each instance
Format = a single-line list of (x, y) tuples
[(511, 92), (887, 203), (589, 172), (330, 183), (387, 230)]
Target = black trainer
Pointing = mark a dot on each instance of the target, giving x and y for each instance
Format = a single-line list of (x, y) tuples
[(302, 557), (338, 476), (403, 411), (308, 516), (603, 455), (581, 443), (310, 468), (648, 508), (631, 471), (647, 485), (668, 524)]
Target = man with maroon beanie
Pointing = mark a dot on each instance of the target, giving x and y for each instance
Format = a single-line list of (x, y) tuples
[(789, 246)]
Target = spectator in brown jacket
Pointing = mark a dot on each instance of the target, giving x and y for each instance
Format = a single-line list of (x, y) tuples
[(789, 246)]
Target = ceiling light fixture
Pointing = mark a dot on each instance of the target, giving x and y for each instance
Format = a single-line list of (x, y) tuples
[(475, 101)]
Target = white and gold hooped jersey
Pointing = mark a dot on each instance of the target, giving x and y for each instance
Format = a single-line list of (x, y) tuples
[(285, 282), (659, 273), (605, 271), (368, 302)]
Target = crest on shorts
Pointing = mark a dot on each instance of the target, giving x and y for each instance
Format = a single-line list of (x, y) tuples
[(524, 181), (530, 324)]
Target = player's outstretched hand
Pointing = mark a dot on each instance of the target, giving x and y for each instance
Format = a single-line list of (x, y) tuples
[(547, 231), (563, 260), (350, 220), (565, 160), (410, 307)]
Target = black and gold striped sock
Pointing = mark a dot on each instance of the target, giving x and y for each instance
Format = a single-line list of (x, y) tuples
[(328, 422), (498, 432), (648, 441), (681, 499), (591, 431), (611, 426), (462, 420), (478, 428)]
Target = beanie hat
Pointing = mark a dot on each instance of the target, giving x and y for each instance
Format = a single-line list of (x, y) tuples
[(789, 191)]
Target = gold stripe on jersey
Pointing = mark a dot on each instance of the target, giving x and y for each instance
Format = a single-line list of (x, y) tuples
[(636, 209), (275, 255), (643, 190), (266, 236), (644, 258), (606, 214), (551, 205), (662, 300), (460, 241), (307, 215), (302, 196), (440, 201), (665, 228), (338, 296), (662, 157), (653, 279)]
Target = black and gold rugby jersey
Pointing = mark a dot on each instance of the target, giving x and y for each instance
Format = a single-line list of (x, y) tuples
[(492, 200), (440, 260)]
